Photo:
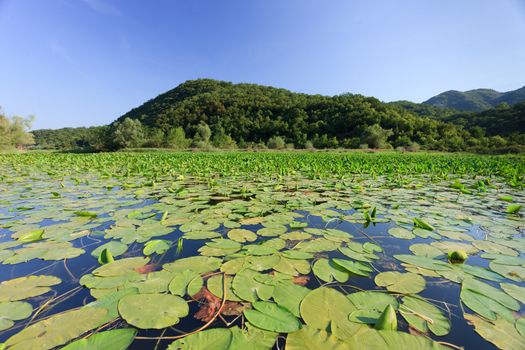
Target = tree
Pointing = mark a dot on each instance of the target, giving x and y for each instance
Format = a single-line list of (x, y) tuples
[(202, 135), (176, 138), (376, 137), (14, 132), (276, 142), (128, 133), (221, 139)]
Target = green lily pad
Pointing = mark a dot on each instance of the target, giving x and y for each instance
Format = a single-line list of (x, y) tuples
[(57, 329), (116, 339), (13, 311), (242, 235), (424, 316), (271, 317), (327, 271), (397, 282), (152, 311), (26, 287), (499, 332), (353, 267), (327, 309), (312, 339)]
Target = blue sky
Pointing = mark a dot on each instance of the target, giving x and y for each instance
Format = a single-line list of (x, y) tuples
[(86, 62)]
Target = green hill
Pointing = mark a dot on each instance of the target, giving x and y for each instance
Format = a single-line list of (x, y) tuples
[(254, 113), (475, 100), (250, 115)]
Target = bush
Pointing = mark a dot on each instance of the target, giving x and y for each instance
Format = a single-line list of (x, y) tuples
[(276, 142)]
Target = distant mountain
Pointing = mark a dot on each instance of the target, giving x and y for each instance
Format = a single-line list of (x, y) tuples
[(476, 100)]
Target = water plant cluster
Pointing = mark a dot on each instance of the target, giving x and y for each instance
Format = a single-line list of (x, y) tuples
[(261, 250)]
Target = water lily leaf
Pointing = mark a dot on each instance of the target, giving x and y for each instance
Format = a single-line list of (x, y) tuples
[(105, 257), (423, 249), (514, 208), (494, 248), (152, 311), (309, 338), (157, 246), (423, 262), (514, 291), (397, 282), (499, 332), (297, 254), (391, 340), (449, 246), (352, 254), (372, 300), (520, 326), (215, 338), (487, 300), (242, 235), (515, 273), (57, 329), (115, 247), (327, 309), (292, 267), (251, 338), (400, 232), (185, 282), (271, 231), (26, 287), (13, 311), (424, 316), (201, 235), (247, 287), (120, 267), (32, 236), (110, 302), (504, 259), (353, 267), (116, 339), (423, 224), (289, 296), (200, 264), (271, 317), (215, 286), (327, 271), (318, 245)]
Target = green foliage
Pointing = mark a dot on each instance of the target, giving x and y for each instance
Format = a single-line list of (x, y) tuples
[(13, 132), (376, 137), (128, 133), (176, 139), (276, 142), (223, 115)]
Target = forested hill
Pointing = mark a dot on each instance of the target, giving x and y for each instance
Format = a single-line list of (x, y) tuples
[(211, 113), (254, 113), (476, 100)]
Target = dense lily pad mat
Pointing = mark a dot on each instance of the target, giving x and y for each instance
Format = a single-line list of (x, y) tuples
[(261, 250)]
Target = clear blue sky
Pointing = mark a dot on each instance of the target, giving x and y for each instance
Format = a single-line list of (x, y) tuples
[(86, 62)]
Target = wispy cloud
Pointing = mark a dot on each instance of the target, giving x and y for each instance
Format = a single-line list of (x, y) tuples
[(103, 7)]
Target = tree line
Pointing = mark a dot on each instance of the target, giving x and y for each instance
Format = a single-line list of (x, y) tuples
[(207, 113)]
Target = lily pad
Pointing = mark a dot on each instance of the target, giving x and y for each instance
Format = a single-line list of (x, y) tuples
[(271, 317), (397, 282), (152, 311)]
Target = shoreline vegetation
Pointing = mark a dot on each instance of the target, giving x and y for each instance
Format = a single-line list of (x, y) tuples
[(206, 114)]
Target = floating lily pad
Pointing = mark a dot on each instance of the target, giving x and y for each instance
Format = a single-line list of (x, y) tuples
[(11, 311), (116, 339), (271, 317), (57, 329), (26, 287), (405, 283), (152, 311)]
